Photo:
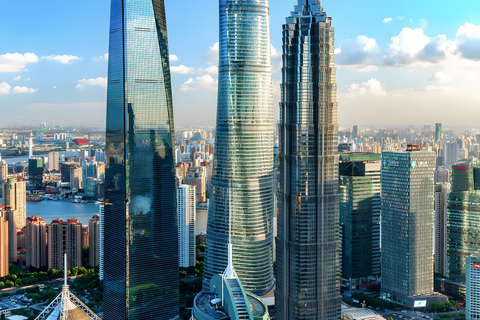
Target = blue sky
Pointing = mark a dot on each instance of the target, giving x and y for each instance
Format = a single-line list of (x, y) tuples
[(399, 62)]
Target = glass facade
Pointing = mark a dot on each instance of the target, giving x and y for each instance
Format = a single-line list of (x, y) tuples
[(140, 225), (360, 208), (244, 148), (463, 221), (472, 303), (307, 244), (407, 223)]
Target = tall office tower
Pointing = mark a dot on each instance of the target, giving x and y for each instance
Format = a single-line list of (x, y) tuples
[(463, 222), (76, 178), (442, 175), (244, 148), (360, 210), (14, 196), (92, 169), (94, 240), (442, 190), (186, 209), (3, 244), (355, 132), (196, 177), (141, 273), (36, 170), (101, 236), (472, 305), (54, 161), (450, 153), (64, 236), (36, 242), (438, 132), (407, 224), (307, 245)]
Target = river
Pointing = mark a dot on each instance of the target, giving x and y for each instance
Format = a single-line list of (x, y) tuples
[(49, 210)]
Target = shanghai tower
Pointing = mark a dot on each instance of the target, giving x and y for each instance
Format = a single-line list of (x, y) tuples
[(244, 148), (307, 245), (141, 250)]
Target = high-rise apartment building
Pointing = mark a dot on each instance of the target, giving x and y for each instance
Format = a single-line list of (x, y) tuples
[(94, 241), (438, 132), (243, 161), (54, 161), (3, 244), (407, 224), (11, 217), (360, 216), (92, 170), (186, 208), (442, 190), (14, 196), (355, 132), (463, 220), (140, 270), (307, 244), (442, 175), (472, 303), (36, 242), (64, 236), (196, 177), (450, 151)]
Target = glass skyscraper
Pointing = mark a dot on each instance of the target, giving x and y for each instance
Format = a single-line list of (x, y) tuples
[(244, 148), (463, 221), (307, 245), (407, 224), (140, 225), (360, 211)]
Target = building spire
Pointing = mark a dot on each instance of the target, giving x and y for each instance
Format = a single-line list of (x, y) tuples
[(65, 268)]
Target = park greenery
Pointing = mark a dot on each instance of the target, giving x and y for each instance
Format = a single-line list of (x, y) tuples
[(443, 307), (19, 278), (375, 302)]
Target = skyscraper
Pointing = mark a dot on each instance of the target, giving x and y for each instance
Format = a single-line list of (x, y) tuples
[(141, 263), (360, 208), (244, 148), (93, 240), (307, 245), (438, 132), (64, 236), (407, 225), (472, 306), (442, 190), (3, 244), (186, 208), (463, 224), (36, 242), (14, 196)]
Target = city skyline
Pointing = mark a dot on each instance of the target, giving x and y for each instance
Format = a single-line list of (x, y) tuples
[(413, 57)]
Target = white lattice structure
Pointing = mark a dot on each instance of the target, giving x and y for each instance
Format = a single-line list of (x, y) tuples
[(66, 306)]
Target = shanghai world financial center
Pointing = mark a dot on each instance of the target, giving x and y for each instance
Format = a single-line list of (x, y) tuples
[(141, 275)]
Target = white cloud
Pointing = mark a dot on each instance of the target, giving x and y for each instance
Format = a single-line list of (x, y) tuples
[(387, 20), (65, 59), (5, 88), (275, 53), (423, 23), (100, 82), (360, 51), (468, 41), (212, 55), (213, 70), (65, 106), (173, 57), (17, 78), (181, 69), (101, 58), (372, 86), (28, 79), (205, 82), (413, 47), (18, 89), (439, 76), (16, 62), (54, 87)]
